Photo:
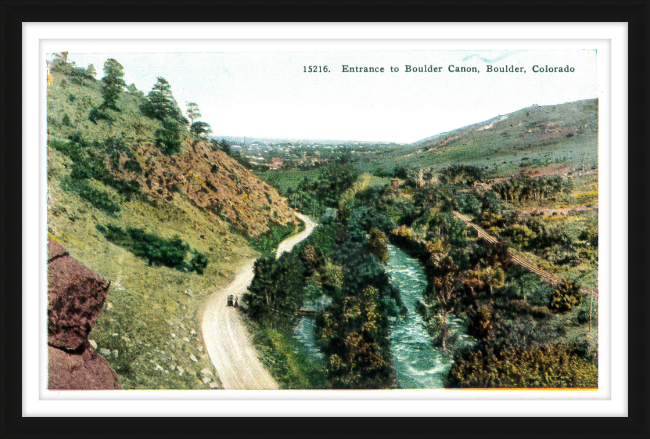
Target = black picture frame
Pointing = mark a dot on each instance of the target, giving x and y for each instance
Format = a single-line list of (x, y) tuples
[(635, 13)]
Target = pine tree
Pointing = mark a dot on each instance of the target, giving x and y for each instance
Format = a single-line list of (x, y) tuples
[(133, 90), (193, 111), (225, 146), (60, 59), (91, 70), (199, 128), (113, 83), (168, 138), (161, 104)]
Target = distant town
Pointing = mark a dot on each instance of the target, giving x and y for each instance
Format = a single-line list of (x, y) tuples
[(279, 154)]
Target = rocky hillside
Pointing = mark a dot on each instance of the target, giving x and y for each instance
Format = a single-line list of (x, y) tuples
[(164, 228), (213, 182), (202, 173)]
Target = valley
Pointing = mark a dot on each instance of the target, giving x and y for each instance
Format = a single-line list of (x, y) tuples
[(468, 259)]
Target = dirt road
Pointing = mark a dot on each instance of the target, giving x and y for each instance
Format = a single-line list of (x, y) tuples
[(225, 334), (288, 244)]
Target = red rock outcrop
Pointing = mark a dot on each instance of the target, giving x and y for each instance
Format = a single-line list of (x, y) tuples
[(86, 370), (76, 295)]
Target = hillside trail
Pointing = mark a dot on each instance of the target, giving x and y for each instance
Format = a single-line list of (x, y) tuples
[(518, 259), (225, 332)]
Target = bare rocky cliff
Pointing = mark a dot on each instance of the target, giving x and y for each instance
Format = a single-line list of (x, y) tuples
[(214, 182), (76, 296)]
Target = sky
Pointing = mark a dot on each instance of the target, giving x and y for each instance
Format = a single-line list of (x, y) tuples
[(268, 94)]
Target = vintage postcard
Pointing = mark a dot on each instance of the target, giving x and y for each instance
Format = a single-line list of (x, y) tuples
[(327, 219)]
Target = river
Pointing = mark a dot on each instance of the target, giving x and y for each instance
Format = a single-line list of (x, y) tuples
[(419, 364), (305, 333)]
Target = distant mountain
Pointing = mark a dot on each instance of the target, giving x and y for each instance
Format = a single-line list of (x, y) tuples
[(554, 120), (536, 136)]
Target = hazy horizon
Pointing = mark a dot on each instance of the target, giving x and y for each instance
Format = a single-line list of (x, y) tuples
[(268, 94), (291, 139)]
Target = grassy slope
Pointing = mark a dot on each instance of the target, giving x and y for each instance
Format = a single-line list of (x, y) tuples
[(291, 178), (76, 101), (151, 322), (507, 142), (285, 179), (287, 360), (213, 181), (147, 304)]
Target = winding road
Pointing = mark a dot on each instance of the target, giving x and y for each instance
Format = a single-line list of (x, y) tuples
[(226, 335)]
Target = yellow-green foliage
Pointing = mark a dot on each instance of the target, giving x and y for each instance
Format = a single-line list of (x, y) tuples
[(333, 275), (128, 124), (403, 232), (359, 363), (566, 296), (285, 358), (522, 235), (583, 228), (532, 367), (150, 311), (378, 244), (434, 247)]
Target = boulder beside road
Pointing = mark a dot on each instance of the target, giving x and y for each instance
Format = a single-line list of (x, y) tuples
[(83, 370), (76, 296)]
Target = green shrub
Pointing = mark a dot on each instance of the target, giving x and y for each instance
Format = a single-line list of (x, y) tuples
[(582, 317), (539, 293), (524, 188), (468, 204), (96, 197), (400, 172), (565, 297), (99, 199), (198, 263), (590, 234), (168, 138), (156, 250), (133, 166), (269, 241), (520, 235), (525, 367), (99, 114), (87, 164), (463, 174)]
